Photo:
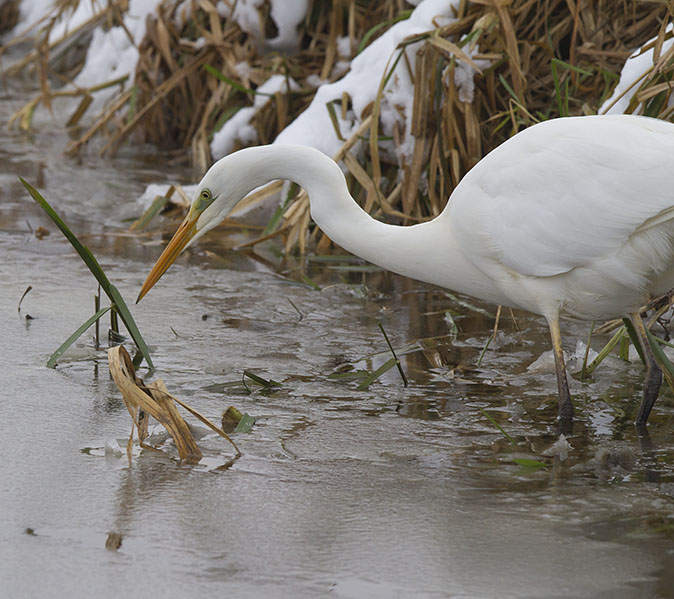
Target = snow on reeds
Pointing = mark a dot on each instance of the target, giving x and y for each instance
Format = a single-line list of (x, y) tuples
[(408, 96), (646, 79)]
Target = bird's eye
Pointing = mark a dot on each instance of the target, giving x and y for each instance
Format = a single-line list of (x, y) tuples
[(204, 200)]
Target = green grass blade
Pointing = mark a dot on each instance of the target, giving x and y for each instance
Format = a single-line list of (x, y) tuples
[(74, 337), (224, 117), (274, 221), (484, 349), (624, 349), (529, 465), (245, 424), (405, 14), (349, 376), (158, 204), (606, 350), (393, 68), (566, 98), (400, 368), (81, 249), (125, 314), (660, 355), (335, 259), (356, 268), (133, 104), (563, 96), (335, 121), (572, 67), (498, 426), (558, 92), (385, 367), (296, 308), (309, 282), (631, 331), (509, 89), (261, 381), (96, 270), (663, 342), (583, 369), (291, 283)]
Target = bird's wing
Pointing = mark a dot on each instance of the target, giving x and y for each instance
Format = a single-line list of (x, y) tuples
[(566, 192)]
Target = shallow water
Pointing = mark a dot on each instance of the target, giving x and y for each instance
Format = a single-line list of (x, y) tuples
[(384, 493)]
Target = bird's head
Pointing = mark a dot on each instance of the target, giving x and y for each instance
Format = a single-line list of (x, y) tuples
[(221, 188)]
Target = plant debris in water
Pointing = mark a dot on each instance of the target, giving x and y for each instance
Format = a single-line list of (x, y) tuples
[(266, 384), (155, 400), (234, 421), (527, 464), (113, 541)]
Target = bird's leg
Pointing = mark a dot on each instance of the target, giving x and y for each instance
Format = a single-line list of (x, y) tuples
[(565, 405), (653, 371)]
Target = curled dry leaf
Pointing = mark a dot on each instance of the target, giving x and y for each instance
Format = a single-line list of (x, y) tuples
[(154, 399)]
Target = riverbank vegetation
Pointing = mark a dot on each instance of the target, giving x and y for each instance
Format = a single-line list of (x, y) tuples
[(477, 75)]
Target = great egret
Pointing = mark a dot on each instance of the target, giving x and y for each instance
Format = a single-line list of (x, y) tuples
[(572, 217)]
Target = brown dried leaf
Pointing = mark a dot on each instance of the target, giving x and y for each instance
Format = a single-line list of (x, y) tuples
[(154, 400)]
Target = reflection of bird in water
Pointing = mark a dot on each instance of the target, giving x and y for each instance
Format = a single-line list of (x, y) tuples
[(572, 217)]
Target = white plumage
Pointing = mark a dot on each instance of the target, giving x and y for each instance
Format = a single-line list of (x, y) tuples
[(581, 208), (572, 217)]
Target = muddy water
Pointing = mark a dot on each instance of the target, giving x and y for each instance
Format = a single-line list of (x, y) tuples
[(383, 493)]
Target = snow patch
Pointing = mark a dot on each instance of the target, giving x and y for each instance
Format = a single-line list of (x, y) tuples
[(287, 14), (634, 69), (112, 53), (464, 74), (239, 128), (245, 14), (314, 127)]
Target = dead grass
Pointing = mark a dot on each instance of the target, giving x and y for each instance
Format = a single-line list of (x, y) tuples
[(9, 14), (548, 58), (154, 400)]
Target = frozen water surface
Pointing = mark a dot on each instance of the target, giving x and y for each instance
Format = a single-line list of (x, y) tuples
[(384, 493)]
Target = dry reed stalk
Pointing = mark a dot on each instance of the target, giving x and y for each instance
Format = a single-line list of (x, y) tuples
[(174, 81), (154, 399), (9, 15), (25, 114)]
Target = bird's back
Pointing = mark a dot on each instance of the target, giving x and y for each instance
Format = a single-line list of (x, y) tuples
[(572, 193)]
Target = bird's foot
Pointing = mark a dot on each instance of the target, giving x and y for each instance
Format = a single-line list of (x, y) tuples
[(651, 389)]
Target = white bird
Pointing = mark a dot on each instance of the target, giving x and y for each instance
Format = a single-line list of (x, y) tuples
[(572, 217)]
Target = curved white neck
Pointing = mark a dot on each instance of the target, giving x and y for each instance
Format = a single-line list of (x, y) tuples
[(427, 252)]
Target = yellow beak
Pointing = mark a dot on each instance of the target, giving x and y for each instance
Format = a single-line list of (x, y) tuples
[(185, 232)]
